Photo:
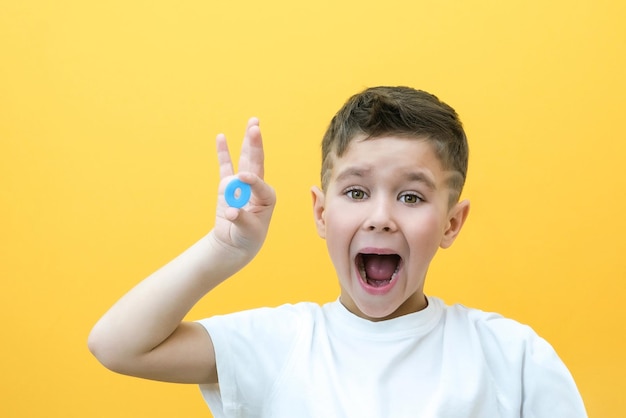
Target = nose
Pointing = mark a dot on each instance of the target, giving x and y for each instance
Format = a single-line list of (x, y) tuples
[(380, 217)]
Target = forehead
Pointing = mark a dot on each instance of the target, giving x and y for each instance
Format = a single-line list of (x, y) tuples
[(395, 150), (407, 158)]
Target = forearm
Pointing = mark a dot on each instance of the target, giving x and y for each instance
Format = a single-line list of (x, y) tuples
[(148, 314)]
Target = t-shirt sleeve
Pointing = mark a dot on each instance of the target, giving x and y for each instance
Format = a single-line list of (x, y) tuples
[(529, 370), (530, 376), (548, 386), (251, 349)]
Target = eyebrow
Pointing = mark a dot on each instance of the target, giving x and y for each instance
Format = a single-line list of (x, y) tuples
[(353, 172), (360, 172), (422, 178)]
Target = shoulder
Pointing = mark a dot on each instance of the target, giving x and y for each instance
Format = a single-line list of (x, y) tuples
[(265, 336), (507, 345), (488, 325), (283, 318), (501, 341)]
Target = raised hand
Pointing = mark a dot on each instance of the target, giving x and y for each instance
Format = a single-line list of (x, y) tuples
[(242, 231)]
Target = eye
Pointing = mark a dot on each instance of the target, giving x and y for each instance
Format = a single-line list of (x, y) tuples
[(356, 194), (410, 198)]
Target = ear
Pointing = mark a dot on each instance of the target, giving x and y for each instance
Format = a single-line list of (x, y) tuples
[(456, 219), (318, 210)]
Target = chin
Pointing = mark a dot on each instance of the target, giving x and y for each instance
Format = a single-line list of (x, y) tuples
[(376, 313)]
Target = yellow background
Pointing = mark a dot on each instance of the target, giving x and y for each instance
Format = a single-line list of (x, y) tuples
[(108, 111)]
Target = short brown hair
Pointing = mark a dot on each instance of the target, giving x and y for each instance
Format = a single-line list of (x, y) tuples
[(404, 112)]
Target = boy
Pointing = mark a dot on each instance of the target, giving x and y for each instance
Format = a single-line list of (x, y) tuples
[(394, 165)]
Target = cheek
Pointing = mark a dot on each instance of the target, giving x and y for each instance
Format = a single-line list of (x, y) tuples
[(338, 238), (335, 236), (426, 234)]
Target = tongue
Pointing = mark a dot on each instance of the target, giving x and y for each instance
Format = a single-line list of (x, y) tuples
[(380, 267)]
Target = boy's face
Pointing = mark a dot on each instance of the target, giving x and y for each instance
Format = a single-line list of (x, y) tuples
[(384, 215)]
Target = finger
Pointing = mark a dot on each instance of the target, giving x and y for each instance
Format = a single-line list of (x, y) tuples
[(262, 193), (252, 155), (223, 157), (231, 213)]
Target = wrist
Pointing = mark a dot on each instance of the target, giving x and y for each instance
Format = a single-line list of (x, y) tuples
[(224, 258)]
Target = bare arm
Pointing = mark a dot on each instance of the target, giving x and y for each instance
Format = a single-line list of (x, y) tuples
[(143, 334)]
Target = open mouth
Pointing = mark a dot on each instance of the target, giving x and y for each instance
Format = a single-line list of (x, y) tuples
[(378, 270)]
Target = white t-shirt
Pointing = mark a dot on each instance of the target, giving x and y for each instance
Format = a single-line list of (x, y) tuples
[(306, 360)]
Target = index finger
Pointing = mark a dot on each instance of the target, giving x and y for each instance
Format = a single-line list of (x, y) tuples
[(223, 157), (252, 155)]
